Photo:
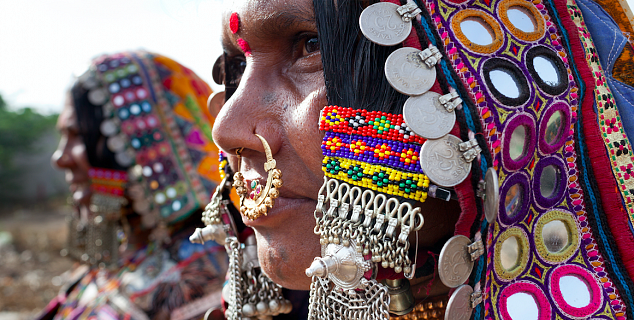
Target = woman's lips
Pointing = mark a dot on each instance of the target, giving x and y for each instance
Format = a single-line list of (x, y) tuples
[(282, 209)]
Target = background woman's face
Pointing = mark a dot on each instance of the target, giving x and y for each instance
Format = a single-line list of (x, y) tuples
[(71, 156), (280, 95)]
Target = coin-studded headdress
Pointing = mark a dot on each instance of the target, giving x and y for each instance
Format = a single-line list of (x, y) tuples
[(515, 105)]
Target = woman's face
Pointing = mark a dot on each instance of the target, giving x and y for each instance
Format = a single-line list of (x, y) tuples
[(71, 156), (279, 97)]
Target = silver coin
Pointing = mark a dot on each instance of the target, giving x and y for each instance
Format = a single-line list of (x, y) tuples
[(382, 24), (407, 73), (427, 117), (492, 195), (97, 96), (454, 262), (124, 158), (116, 143), (442, 161), (459, 305), (109, 128)]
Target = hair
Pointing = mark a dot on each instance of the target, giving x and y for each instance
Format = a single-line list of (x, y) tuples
[(89, 119), (352, 64)]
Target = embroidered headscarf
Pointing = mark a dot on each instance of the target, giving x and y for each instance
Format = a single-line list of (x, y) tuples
[(144, 119)]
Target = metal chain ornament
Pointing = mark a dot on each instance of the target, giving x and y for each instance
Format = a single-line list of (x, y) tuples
[(358, 224), (250, 294), (260, 199)]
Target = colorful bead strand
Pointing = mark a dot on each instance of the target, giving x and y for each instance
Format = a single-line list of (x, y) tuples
[(378, 178), (393, 154), (375, 124)]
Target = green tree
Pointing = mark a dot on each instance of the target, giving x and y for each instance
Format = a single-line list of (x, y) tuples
[(18, 132)]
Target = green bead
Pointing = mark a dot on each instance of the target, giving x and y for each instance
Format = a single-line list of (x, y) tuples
[(383, 117), (350, 172), (360, 174), (407, 190), (355, 168), (402, 185), (328, 166), (381, 175), (354, 178), (375, 178), (380, 184), (375, 127), (386, 180), (337, 168)]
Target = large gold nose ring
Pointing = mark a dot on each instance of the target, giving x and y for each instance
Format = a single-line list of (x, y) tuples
[(256, 200)]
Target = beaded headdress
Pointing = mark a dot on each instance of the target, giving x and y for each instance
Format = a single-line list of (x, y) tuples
[(546, 225), (158, 127)]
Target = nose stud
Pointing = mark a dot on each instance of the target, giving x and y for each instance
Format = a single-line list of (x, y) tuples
[(260, 199)]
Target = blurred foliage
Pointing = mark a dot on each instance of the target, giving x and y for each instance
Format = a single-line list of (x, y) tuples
[(19, 130)]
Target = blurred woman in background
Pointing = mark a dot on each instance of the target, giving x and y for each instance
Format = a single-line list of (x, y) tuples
[(138, 154)]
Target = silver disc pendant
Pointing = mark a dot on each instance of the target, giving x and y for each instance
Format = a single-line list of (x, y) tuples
[(454, 262), (407, 73), (116, 143), (382, 24), (427, 117), (492, 195), (442, 161), (459, 305)]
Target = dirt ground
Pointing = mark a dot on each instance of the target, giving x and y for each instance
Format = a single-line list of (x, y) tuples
[(31, 268)]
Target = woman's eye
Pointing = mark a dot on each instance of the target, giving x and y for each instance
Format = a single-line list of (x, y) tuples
[(311, 45), (235, 69)]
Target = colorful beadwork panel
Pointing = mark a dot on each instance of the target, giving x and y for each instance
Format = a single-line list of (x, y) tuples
[(157, 124), (510, 58), (366, 149)]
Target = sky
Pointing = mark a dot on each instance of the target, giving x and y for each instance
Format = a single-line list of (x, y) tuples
[(43, 43)]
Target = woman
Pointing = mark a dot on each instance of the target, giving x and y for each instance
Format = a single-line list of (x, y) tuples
[(138, 154), (293, 66)]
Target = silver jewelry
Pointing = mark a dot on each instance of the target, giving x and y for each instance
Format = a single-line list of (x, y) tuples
[(96, 240), (383, 24), (427, 117), (250, 294), (442, 161), (407, 73), (356, 224)]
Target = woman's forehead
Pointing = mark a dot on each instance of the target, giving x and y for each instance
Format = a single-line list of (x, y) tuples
[(267, 18)]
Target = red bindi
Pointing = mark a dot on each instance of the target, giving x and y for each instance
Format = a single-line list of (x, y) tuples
[(244, 46), (234, 23)]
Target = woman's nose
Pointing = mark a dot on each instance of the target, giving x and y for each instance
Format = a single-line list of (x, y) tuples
[(251, 109), (62, 158)]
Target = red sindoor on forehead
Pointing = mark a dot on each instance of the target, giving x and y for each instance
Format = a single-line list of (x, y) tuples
[(244, 46), (234, 23), (234, 26)]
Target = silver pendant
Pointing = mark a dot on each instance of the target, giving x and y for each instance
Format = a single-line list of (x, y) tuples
[(343, 265), (459, 306), (442, 161), (454, 263), (249, 292), (407, 73), (382, 24), (492, 195), (427, 117), (356, 224)]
